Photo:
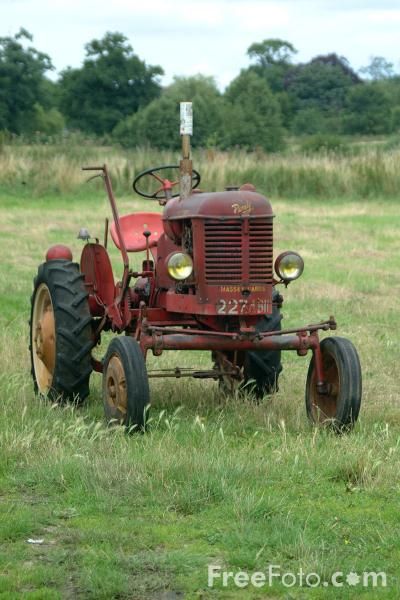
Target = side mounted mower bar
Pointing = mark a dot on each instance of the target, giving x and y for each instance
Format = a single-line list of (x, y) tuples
[(301, 340)]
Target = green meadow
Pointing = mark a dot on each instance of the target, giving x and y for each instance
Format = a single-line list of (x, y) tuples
[(216, 480)]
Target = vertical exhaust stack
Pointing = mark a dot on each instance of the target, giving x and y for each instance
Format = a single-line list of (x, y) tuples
[(186, 162)]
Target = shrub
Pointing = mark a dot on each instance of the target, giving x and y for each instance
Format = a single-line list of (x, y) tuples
[(325, 143)]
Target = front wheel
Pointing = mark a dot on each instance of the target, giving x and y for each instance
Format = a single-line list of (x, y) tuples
[(125, 384), (338, 408)]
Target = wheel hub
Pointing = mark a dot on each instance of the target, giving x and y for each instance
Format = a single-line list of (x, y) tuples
[(116, 392), (44, 339)]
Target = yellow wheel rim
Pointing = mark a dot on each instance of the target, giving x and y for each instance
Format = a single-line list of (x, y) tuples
[(43, 339), (115, 388)]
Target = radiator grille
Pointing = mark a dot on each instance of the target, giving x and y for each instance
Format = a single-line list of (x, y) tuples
[(230, 254), (223, 246), (260, 251)]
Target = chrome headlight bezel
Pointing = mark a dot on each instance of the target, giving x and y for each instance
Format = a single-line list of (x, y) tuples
[(289, 266), (179, 261)]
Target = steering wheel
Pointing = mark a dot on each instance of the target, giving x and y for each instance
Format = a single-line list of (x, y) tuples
[(163, 192)]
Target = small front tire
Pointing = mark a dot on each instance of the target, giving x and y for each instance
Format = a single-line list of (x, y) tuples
[(126, 392), (338, 409)]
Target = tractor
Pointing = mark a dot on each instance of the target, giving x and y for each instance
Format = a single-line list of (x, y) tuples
[(208, 281)]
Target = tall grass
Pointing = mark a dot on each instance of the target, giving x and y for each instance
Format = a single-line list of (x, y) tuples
[(371, 172)]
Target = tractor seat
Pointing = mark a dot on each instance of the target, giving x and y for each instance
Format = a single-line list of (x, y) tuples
[(132, 228)]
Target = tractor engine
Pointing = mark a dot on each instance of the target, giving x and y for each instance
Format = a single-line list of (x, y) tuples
[(225, 242)]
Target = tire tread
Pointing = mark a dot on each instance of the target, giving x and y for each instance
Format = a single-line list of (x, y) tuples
[(73, 329)]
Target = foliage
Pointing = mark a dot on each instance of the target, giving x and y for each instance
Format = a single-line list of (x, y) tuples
[(112, 84), (116, 95), (48, 122), (272, 52), (272, 61), (378, 69), (252, 116), (392, 143), (22, 79), (208, 106), (368, 111), (157, 124), (321, 84), (396, 118), (309, 121), (324, 143)]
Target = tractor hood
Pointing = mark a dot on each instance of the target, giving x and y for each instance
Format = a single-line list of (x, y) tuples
[(230, 204)]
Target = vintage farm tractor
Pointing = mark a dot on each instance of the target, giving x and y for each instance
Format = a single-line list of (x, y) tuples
[(207, 282)]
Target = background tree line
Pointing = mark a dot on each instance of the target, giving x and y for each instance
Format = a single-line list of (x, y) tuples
[(116, 94)]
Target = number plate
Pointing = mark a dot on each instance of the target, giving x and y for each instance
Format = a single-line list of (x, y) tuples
[(243, 307)]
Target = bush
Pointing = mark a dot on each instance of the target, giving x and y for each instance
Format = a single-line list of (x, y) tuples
[(393, 143), (48, 122), (308, 121), (396, 119), (325, 143), (5, 138), (368, 111), (252, 116), (157, 125)]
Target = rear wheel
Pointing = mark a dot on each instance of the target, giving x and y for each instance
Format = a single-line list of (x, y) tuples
[(256, 371), (262, 368), (339, 407), (125, 383), (60, 332)]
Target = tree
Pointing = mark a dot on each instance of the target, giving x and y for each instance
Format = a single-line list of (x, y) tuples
[(272, 52), (252, 114), (157, 124), (273, 58), (309, 121), (112, 84), (379, 68), (22, 78), (207, 106), (368, 111), (321, 84)]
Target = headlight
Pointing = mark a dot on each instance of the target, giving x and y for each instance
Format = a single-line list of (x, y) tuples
[(289, 266), (180, 266)]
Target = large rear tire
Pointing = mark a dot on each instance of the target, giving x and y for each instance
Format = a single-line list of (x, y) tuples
[(262, 368), (126, 394), (258, 371), (60, 332), (338, 409)]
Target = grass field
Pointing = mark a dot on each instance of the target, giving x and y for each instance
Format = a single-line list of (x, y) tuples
[(215, 481)]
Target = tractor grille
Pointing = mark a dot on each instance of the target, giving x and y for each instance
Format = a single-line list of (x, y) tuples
[(260, 251), (233, 256), (223, 246)]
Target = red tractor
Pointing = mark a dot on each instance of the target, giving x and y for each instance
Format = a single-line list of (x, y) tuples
[(208, 282)]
